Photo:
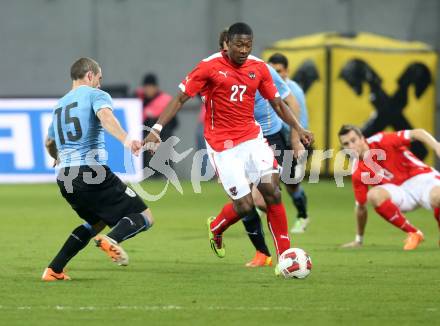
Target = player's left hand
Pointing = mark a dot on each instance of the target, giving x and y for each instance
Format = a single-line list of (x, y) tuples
[(306, 136), (298, 149)]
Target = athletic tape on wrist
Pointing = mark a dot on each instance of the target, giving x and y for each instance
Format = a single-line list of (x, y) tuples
[(158, 127)]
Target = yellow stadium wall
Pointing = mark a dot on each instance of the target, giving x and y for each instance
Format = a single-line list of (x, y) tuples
[(332, 102)]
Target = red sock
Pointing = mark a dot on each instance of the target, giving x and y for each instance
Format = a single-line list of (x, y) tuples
[(437, 215), (277, 221), (390, 212), (226, 218)]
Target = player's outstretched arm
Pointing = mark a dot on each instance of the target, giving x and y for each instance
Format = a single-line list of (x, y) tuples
[(112, 125), (152, 141), (286, 114), (361, 218), (172, 108), (426, 138)]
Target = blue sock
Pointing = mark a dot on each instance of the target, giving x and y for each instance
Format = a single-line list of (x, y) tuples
[(299, 199)]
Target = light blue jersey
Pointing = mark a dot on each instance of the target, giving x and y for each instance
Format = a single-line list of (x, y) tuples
[(269, 121), (300, 97), (77, 131)]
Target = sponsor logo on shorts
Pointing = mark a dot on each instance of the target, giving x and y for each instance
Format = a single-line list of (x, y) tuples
[(130, 192), (233, 191)]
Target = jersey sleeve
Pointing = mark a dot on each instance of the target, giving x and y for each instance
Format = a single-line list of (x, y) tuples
[(360, 189), (100, 100), (267, 87), (280, 84), (396, 139), (51, 131), (196, 80)]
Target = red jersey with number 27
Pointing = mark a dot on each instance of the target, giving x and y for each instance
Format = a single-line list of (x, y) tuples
[(396, 165), (229, 95)]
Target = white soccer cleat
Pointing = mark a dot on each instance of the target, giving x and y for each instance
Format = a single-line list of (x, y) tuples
[(300, 225)]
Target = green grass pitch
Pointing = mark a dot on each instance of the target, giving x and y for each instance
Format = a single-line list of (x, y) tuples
[(174, 279)]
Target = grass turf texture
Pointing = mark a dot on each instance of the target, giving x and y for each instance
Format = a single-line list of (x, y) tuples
[(174, 278)]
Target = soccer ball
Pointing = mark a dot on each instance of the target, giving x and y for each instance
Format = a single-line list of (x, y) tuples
[(295, 263)]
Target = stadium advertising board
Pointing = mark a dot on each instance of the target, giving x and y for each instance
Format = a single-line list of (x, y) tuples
[(23, 129)]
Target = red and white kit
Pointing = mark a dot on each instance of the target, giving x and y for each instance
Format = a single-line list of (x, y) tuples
[(234, 139), (390, 165)]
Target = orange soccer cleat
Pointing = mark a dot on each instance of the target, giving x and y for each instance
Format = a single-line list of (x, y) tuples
[(112, 249), (413, 240), (49, 275), (260, 260)]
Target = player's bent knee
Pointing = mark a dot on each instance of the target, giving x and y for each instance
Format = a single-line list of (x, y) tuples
[(434, 197), (273, 197), (148, 215), (243, 205), (244, 208), (376, 196)]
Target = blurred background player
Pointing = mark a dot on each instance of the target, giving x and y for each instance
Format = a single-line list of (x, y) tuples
[(154, 101), (76, 141), (280, 63), (229, 80), (400, 182)]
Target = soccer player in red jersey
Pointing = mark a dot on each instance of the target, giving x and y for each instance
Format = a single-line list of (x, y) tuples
[(235, 144), (399, 181)]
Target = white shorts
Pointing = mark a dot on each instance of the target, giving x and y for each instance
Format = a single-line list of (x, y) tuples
[(245, 163), (413, 192)]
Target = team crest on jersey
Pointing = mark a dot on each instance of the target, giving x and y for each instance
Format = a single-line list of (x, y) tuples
[(252, 75), (233, 191)]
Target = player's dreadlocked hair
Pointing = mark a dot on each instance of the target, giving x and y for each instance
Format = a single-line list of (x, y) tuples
[(345, 129), (239, 29), (278, 58), (81, 66)]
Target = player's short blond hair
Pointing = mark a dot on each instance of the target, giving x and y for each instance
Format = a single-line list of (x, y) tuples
[(82, 66)]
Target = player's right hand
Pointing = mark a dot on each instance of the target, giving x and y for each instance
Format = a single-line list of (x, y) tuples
[(151, 142), (353, 244), (134, 145)]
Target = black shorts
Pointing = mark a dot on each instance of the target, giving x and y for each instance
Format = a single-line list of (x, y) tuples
[(279, 145), (108, 200)]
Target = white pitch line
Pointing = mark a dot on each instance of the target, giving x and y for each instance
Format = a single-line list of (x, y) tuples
[(146, 308)]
